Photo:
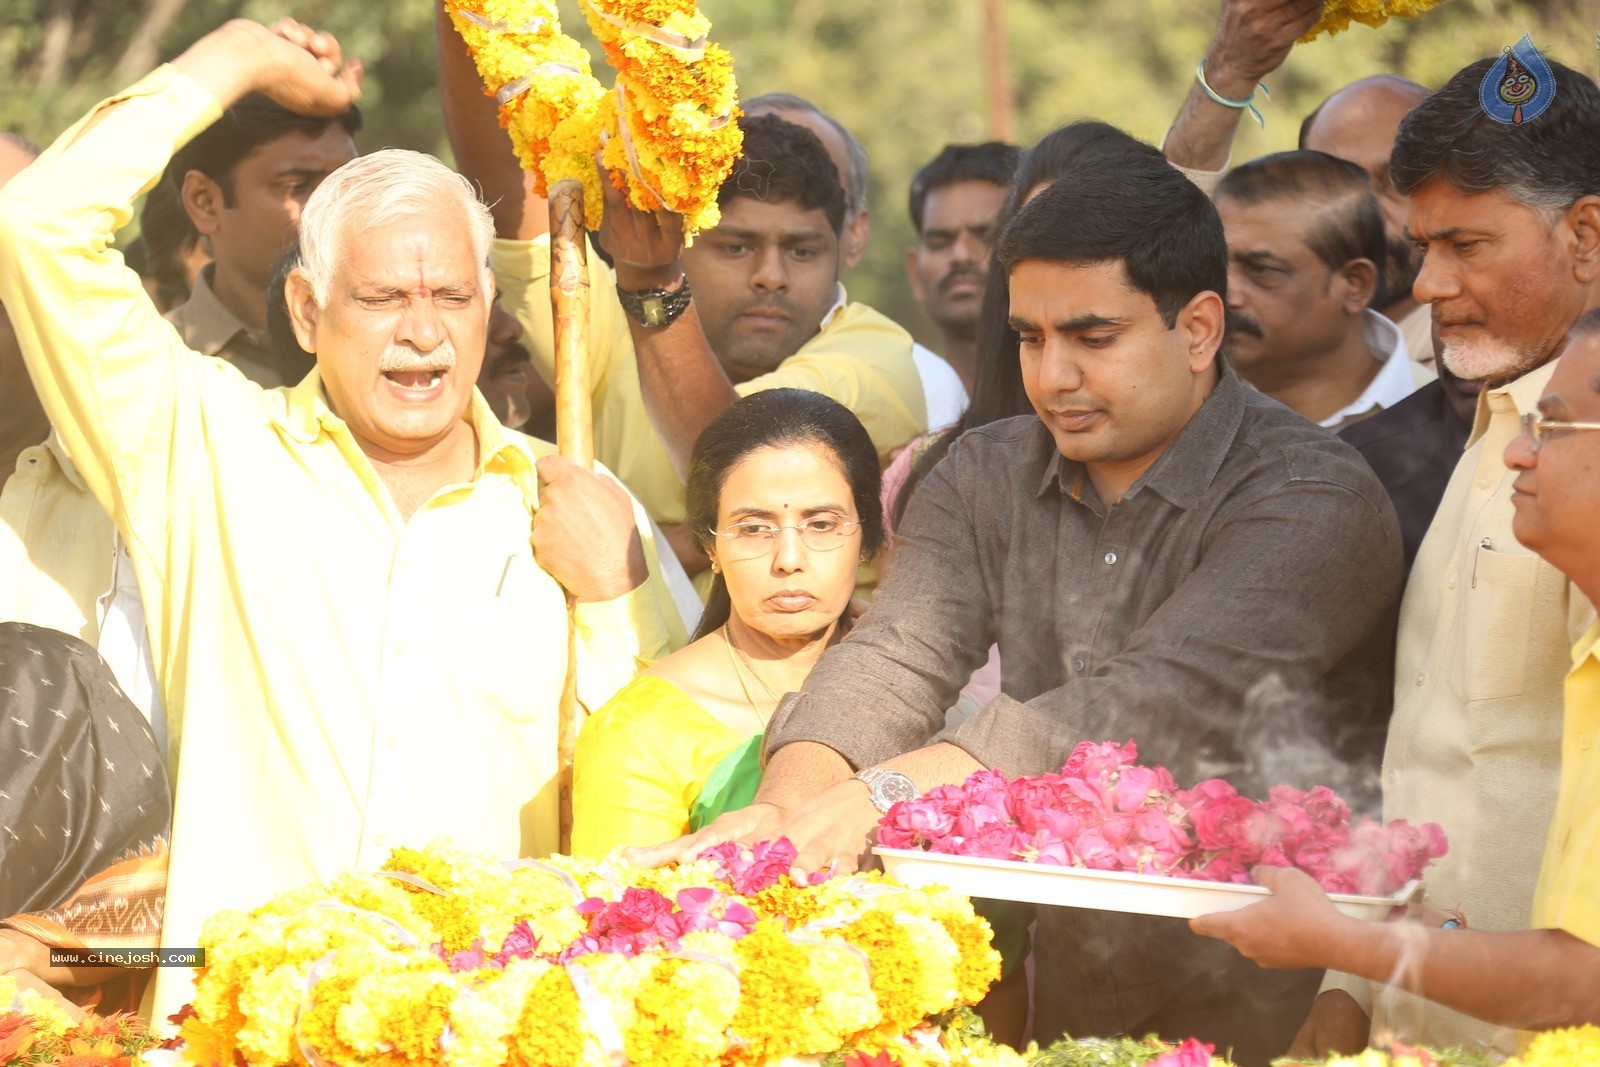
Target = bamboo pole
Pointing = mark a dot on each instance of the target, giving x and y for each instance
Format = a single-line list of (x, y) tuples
[(997, 64), (569, 299)]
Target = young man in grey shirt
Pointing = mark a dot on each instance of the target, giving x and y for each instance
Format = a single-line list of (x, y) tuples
[(1160, 552)]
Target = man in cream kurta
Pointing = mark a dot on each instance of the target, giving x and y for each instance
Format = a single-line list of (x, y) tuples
[(340, 678), (1486, 626), (1486, 629)]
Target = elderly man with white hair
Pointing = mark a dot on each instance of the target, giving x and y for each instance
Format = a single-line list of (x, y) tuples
[(357, 645)]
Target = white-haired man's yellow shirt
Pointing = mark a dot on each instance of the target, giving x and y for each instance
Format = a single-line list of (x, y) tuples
[(859, 357), (339, 680)]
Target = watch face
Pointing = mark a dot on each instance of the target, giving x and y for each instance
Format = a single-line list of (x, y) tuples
[(654, 309), (895, 788)]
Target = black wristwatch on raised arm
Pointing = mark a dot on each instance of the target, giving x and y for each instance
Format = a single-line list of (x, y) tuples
[(652, 308)]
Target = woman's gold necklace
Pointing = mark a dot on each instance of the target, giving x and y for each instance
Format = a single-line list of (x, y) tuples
[(739, 658)]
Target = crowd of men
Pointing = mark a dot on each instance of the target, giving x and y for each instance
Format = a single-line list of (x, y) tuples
[(1305, 462)]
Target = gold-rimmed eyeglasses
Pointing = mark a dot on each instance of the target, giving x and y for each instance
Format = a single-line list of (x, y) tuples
[(1540, 429), (747, 540)]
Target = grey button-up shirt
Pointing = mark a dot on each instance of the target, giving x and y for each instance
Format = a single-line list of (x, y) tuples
[(1233, 614), (1235, 605)]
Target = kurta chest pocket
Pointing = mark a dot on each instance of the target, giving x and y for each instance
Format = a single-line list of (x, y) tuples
[(1500, 598)]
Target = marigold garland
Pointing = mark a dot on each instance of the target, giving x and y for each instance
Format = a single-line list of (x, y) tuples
[(666, 134), (1337, 15), (448, 958)]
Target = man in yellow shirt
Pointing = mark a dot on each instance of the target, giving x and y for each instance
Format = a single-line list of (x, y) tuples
[(357, 646), (766, 310), (1548, 976), (1509, 221)]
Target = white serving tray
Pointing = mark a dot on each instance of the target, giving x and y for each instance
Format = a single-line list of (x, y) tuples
[(1078, 887)]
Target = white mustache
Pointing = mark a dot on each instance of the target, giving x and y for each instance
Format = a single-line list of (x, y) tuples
[(401, 358)]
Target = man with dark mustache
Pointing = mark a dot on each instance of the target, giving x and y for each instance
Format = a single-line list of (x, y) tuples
[(955, 201), (1305, 251)]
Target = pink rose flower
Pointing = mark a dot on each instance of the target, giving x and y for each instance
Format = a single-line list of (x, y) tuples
[(1192, 1053)]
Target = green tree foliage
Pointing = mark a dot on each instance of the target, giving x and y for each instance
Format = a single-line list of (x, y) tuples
[(906, 75)]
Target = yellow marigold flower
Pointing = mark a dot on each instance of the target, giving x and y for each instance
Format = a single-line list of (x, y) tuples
[(1337, 15), (551, 1029), (913, 967), (682, 1014), (778, 991), (979, 964), (395, 1018), (47, 1017), (1579, 1045), (484, 1015)]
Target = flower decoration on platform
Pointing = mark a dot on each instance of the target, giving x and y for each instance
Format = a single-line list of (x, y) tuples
[(1106, 812), (449, 958), (666, 134), (1337, 15), (37, 1030)]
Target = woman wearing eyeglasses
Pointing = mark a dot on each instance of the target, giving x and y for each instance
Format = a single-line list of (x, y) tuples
[(783, 496)]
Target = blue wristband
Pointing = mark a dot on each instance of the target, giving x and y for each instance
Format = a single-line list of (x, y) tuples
[(1238, 105)]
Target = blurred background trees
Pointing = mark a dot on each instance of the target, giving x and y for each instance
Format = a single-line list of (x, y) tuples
[(907, 76)]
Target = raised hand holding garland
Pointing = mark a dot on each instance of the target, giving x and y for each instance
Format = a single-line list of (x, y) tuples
[(666, 134)]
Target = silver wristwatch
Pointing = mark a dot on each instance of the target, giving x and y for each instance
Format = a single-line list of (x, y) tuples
[(887, 787)]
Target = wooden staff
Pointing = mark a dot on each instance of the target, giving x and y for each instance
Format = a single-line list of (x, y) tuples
[(569, 299)]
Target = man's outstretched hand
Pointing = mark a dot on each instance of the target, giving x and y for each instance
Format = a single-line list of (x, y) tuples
[(298, 67), (746, 826), (831, 832)]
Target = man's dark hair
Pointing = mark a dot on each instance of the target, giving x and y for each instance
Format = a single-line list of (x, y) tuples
[(1346, 220), (1548, 162), (21, 143), (252, 122), (1585, 324), (994, 162), (782, 161), (1137, 211), (855, 179), (997, 391), (167, 235), (295, 361)]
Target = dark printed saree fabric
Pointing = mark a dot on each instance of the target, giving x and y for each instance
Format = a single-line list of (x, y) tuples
[(82, 784)]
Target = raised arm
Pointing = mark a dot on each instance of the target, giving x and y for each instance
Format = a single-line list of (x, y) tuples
[(483, 151), (116, 381), (683, 383), (1253, 39)]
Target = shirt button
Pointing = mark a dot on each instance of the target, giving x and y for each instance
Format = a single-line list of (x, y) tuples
[(1111, 557), (1583, 742), (400, 648), (1422, 678), (391, 742), (1450, 581), (1078, 664), (1483, 483)]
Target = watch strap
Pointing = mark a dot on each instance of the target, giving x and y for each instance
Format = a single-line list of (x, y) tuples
[(654, 308)]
